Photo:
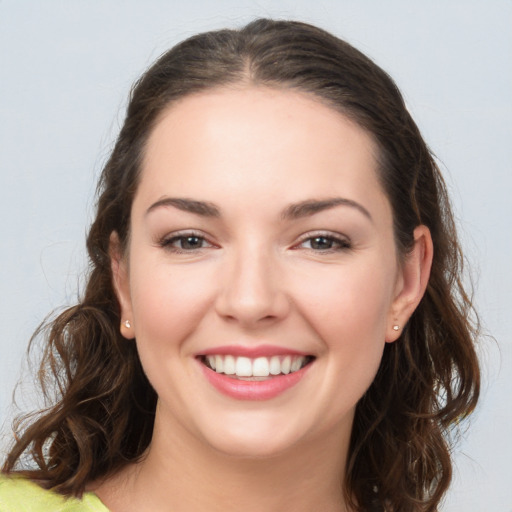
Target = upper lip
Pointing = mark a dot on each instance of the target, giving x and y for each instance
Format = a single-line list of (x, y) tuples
[(251, 351)]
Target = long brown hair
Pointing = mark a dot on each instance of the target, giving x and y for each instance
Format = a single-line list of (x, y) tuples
[(399, 455)]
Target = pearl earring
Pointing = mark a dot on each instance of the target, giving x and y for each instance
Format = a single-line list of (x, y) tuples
[(396, 327), (127, 324)]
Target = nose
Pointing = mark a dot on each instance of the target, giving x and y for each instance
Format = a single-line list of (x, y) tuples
[(252, 291)]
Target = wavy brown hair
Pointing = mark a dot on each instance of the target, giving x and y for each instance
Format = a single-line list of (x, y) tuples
[(102, 419)]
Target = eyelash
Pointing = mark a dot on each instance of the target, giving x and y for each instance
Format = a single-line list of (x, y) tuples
[(167, 243), (337, 243)]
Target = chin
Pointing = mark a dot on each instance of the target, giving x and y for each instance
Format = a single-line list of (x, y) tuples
[(258, 439), (256, 448)]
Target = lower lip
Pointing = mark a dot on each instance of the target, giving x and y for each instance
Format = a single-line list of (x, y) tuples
[(250, 389)]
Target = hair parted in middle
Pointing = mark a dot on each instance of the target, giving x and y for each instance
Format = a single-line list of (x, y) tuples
[(399, 455)]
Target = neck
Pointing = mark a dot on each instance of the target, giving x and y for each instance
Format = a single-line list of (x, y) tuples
[(181, 475)]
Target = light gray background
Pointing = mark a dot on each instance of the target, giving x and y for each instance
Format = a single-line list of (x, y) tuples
[(65, 71)]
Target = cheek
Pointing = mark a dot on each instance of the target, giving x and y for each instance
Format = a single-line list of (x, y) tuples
[(349, 313), (356, 300), (168, 303)]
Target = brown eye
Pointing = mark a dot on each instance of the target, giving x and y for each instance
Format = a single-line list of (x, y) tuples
[(325, 243), (321, 243), (189, 243), (185, 243)]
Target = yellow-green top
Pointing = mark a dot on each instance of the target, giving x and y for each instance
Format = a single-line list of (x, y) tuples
[(18, 494)]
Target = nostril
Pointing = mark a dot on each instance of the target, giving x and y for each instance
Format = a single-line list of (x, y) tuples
[(252, 306)]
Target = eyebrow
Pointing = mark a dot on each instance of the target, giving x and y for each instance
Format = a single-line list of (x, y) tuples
[(203, 208), (291, 212), (312, 206)]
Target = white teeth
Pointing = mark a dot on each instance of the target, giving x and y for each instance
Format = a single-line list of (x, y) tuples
[(275, 366), (258, 367), (219, 364), (243, 367), (229, 365), (286, 365), (295, 365)]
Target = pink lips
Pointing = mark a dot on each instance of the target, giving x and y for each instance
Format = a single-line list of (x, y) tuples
[(252, 352), (252, 389)]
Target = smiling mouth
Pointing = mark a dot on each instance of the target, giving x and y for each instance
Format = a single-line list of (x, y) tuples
[(254, 369)]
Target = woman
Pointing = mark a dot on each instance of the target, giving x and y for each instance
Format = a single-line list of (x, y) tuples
[(274, 318)]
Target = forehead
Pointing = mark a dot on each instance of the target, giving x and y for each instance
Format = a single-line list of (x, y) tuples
[(258, 109), (258, 141)]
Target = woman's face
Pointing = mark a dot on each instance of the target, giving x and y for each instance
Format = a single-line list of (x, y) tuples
[(261, 279)]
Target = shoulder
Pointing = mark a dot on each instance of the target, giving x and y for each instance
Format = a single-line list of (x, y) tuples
[(18, 494)]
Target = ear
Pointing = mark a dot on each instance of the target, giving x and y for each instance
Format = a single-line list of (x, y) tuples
[(411, 283), (121, 284)]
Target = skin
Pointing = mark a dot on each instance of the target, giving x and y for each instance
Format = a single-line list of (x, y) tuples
[(257, 274)]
